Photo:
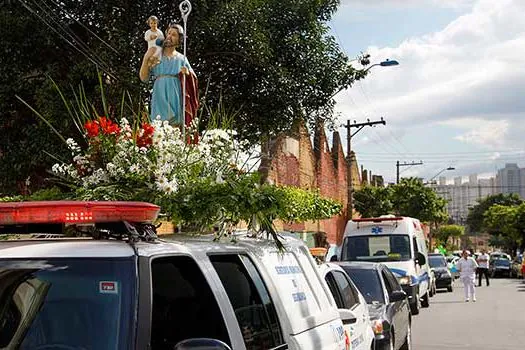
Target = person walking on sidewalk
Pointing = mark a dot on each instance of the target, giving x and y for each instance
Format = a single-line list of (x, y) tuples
[(467, 273), (483, 269)]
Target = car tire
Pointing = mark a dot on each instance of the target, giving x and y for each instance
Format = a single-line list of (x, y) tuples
[(425, 302), (391, 341), (450, 288), (407, 345), (414, 307)]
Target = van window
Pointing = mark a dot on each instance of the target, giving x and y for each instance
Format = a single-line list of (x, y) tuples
[(378, 248), (77, 303), (183, 304), (250, 300), (347, 297)]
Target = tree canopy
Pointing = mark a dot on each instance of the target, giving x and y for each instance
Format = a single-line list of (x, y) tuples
[(270, 61), (476, 214), (507, 224), (373, 201), (446, 231), (408, 198)]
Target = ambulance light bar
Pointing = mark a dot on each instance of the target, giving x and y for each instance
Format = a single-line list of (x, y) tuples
[(76, 212)]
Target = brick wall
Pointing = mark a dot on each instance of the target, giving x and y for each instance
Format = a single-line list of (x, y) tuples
[(295, 161)]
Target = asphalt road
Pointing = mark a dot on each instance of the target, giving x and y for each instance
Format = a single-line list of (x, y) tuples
[(495, 322)]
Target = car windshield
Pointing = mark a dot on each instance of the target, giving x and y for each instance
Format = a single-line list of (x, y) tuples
[(437, 261), (67, 303), (502, 262), (368, 283), (377, 248)]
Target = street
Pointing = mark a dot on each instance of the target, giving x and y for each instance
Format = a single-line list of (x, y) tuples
[(495, 321)]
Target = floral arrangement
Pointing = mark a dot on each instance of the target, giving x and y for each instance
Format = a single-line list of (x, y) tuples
[(152, 157), (201, 185)]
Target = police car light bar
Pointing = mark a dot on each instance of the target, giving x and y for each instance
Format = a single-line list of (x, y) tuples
[(75, 212), (397, 218)]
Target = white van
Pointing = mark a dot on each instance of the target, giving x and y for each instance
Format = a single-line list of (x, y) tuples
[(397, 242)]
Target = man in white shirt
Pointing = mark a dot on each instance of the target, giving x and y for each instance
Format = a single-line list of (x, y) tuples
[(483, 263), (467, 273)]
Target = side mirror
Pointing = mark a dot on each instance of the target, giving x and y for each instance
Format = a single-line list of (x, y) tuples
[(201, 344), (334, 258), (347, 316), (420, 259), (397, 295)]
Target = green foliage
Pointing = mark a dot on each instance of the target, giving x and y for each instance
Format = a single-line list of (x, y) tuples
[(411, 198), (507, 223), (373, 201), (408, 198), (446, 231), (476, 214)]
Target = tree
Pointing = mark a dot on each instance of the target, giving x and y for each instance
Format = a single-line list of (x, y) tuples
[(411, 198), (507, 223), (446, 231), (373, 201), (270, 74), (476, 213)]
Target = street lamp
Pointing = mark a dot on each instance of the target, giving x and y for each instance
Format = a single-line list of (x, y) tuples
[(387, 63), (433, 177)]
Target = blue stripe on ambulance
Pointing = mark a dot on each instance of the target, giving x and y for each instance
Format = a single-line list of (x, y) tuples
[(414, 280)]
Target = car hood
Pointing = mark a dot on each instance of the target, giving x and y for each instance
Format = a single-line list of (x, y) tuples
[(376, 311), (440, 269)]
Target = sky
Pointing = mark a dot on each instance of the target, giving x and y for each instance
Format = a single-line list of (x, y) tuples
[(457, 98)]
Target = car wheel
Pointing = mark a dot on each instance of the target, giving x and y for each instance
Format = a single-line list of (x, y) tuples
[(450, 288), (407, 345), (425, 302), (414, 307), (391, 342)]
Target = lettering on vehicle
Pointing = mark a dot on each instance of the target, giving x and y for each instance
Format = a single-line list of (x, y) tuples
[(287, 270), (108, 287), (299, 296)]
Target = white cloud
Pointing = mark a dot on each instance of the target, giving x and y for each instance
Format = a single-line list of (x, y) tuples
[(470, 76)]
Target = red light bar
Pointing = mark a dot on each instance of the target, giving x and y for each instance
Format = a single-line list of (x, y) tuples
[(64, 212), (397, 218)]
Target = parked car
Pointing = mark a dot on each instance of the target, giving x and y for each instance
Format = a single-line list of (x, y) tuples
[(115, 285), (438, 264), (499, 267), (347, 296), (515, 269), (388, 304), (399, 243)]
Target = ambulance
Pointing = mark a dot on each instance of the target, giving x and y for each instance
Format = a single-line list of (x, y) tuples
[(399, 243)]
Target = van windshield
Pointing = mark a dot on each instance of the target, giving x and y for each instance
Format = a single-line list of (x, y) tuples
[(67, 303), (377, 248)]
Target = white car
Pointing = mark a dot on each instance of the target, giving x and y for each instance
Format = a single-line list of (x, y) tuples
[(347, 296)]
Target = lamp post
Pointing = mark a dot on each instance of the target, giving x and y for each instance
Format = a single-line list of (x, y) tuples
[(350, 206), (433, 177)]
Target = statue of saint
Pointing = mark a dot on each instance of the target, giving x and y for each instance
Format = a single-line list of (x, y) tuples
[(169, 73)]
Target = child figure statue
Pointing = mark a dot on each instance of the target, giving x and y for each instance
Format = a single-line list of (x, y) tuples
[(154, 37)]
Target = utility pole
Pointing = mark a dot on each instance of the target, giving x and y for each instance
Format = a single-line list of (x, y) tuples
[(405, 164), (349, 136)]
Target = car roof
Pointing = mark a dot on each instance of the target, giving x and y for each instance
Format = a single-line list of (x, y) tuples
[(65, 248), (360, 265), (169, 244)]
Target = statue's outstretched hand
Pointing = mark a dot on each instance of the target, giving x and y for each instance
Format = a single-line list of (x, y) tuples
[(185, 71)]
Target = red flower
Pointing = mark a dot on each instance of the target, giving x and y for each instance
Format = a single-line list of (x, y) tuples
[(146, 137), (108, 127), (92, 128)]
